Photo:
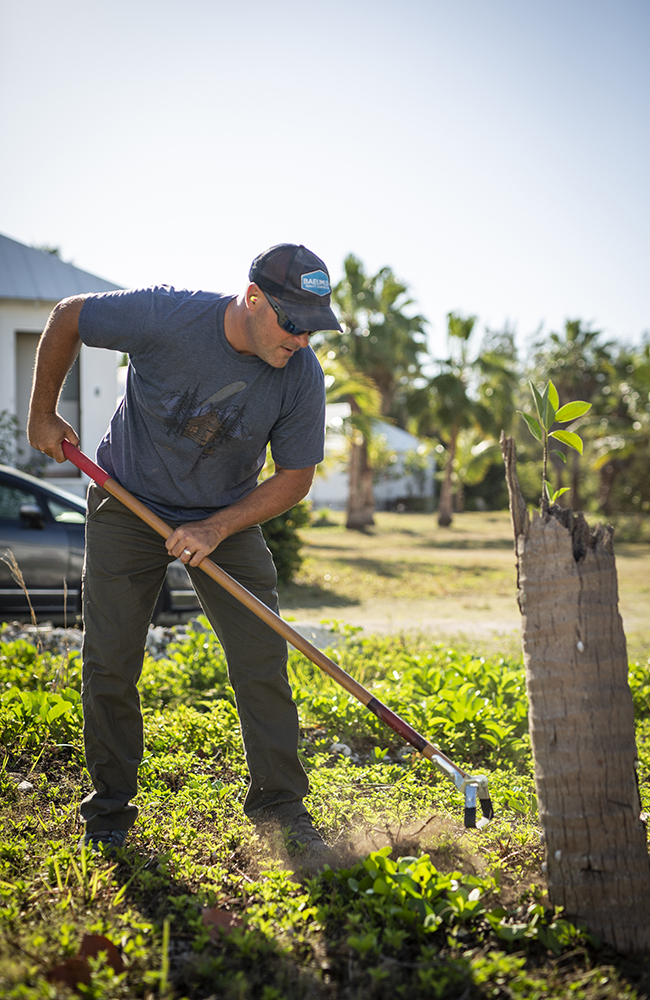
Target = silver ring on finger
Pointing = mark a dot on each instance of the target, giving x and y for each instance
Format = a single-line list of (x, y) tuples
[(186, 552)]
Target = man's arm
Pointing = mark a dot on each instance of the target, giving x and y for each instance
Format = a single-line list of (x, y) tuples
[(278, 493), (57, 350)]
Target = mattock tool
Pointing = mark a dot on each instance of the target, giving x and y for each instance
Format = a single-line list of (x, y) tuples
[(471, 786)]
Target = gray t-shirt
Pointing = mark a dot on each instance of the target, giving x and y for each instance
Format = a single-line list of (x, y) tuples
[(190, 435)]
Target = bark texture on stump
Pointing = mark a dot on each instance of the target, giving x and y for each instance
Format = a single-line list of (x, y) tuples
[(581, 720)]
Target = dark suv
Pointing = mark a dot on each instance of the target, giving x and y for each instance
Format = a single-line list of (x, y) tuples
[(42, 527)]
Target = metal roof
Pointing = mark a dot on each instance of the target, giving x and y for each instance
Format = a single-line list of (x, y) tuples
[(27, 273)]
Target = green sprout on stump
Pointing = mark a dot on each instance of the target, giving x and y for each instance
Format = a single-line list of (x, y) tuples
[(549, 412)]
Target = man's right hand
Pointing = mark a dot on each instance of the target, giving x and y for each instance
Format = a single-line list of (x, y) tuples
[(46, 434), (57, 350)]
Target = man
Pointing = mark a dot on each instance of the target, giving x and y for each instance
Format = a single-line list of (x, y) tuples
[(212, 380)]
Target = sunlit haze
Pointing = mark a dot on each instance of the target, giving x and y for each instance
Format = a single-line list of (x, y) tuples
[(493, 152)]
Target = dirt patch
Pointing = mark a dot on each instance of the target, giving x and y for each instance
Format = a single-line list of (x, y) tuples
[(484, 616)]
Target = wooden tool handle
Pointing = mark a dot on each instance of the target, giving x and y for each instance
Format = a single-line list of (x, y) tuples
[(101, 477)]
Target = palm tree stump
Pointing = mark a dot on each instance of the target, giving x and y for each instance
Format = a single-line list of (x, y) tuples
[(581, 719)]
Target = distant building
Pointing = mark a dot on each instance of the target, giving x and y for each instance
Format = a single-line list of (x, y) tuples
[(399, 486), (31, 283)]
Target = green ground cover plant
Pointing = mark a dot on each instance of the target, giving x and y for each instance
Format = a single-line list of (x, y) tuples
[(197, 906)]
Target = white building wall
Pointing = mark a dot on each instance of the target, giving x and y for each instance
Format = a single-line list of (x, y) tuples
[(97, 388), (331, 483), (330, 490), (98, 392), (16, 315)]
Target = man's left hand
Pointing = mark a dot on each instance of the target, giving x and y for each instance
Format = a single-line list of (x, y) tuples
[(192, 542)]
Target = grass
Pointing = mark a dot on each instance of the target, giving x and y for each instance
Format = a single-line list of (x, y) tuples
[(197, 906), (457, 583), (407, 554)]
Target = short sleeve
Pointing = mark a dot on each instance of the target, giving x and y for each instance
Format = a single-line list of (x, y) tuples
[(117, 321), (298, 436)]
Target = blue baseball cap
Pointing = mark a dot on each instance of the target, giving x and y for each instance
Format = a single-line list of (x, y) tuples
[(300, 282)]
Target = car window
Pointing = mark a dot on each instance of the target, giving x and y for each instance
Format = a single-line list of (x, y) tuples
[(65, 515), (11, 500)]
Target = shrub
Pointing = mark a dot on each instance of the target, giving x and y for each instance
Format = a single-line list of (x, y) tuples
[(284, 542)]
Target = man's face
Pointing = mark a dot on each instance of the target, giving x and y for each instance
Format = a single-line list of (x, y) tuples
[(269, 341)]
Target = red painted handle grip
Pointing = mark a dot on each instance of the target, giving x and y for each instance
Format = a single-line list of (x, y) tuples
[(82, 462)]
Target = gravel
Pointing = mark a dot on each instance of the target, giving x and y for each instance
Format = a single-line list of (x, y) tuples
[(60, 640)]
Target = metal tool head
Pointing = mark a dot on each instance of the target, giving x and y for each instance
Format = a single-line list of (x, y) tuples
[(473, 787)]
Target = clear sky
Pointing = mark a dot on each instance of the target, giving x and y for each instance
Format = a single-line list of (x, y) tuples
[(495, 153)]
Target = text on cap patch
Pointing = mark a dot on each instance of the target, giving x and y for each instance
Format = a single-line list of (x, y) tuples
[(315, 281)]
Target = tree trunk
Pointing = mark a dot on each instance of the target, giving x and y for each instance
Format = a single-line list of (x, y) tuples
[(608, 473), (446, 502), (581, 719), (361, 501)]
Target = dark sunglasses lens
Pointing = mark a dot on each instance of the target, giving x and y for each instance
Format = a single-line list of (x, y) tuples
[(283, 319)]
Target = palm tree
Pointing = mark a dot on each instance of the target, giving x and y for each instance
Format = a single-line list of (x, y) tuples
[(471, 392), (383, 343), (344, 383), (342, 380), (475, 454), (620, 439), (378, 337)]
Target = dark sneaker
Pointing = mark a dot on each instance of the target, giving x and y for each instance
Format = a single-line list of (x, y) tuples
[(302, 838), (105, 841)]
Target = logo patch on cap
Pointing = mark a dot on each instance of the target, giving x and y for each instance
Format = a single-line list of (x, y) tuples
[(316, 282)]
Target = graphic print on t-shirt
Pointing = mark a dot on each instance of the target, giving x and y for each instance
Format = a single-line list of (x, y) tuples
[(203, 422)]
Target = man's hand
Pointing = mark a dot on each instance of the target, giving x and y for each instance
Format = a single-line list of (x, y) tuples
[(194, 541), (47, 432), (57, 350)]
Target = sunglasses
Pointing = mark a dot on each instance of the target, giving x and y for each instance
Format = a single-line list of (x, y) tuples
[(283, 319)]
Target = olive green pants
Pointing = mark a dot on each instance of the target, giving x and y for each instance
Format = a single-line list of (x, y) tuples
[(124, 570)]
